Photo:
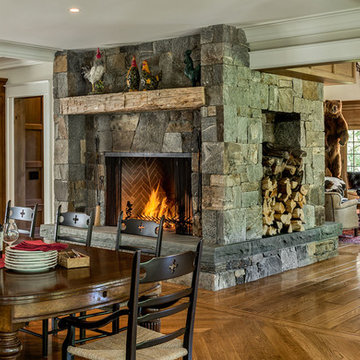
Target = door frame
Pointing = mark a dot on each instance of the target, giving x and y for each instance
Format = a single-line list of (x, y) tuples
[(37, 88)]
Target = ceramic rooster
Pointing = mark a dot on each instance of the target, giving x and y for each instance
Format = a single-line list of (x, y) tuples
[(149, 81), (133, 76), (96, 72), (192, 73)]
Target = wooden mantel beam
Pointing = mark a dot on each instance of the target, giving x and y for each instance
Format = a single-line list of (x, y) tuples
[(139, 101)]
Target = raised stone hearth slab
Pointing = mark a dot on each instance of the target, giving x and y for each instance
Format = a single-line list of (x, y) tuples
[(225, 266)]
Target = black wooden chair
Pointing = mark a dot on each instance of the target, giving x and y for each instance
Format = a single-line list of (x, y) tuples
[(74, 219), (78, 220), (137, 342), (133, 227), (143, 228), (20, 213)]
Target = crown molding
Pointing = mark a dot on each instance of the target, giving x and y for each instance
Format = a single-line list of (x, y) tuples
[(339, 25), (16, 63), (309, 54), (26, 52)]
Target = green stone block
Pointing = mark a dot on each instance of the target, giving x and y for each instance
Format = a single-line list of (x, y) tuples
[(251, 198)]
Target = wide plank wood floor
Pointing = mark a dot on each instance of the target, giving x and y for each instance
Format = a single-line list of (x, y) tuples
[(307, 313)]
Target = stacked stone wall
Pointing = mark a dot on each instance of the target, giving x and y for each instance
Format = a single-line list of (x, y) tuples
[(230, 129), (233, 133)]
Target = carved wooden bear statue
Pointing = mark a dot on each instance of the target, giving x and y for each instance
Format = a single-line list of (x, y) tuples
[(336, 134)]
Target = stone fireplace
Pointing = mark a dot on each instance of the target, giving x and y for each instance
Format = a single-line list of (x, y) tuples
[(222, 143)]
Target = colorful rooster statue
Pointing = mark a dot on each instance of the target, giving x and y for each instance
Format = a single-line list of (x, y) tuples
[(133, 76), (96, 72), (149, 81)]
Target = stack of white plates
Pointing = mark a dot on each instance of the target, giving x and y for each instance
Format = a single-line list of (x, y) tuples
[(30, 261)]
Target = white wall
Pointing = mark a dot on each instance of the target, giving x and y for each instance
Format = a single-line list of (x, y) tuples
[(26, 74), (343, 92), (34, 80)]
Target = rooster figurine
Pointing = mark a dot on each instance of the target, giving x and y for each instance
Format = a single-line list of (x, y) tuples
[(192, 73), (149, 81), (133, 76), (96, 72)]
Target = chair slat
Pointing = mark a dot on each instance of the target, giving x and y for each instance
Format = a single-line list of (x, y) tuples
[(134, 248), (141, 228), (163, 313), (22, 213), (168, 267), (79, 220), (165, 300)]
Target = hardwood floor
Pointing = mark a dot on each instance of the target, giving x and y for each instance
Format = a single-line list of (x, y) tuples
[(308, 313)]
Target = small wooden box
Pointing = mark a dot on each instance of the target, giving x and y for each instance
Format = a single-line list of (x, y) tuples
[(73, 262)]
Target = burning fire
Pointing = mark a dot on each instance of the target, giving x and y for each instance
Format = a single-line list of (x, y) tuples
[(157, 205)]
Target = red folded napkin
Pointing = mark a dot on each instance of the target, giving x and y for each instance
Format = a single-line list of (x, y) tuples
[(2, 261), (39, 245)]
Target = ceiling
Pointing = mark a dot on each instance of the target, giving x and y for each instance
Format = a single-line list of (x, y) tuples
[(104, 23)]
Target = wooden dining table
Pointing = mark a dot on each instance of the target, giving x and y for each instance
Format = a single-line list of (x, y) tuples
[(29, 297)]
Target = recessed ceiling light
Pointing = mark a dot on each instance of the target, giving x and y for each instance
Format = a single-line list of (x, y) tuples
[(74, 10)]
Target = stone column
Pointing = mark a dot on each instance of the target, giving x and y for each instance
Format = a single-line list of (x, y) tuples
[(61, 143), (70, 143), (231, 165)]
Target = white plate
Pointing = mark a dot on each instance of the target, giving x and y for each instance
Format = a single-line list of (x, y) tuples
[(39, 258), (38, 266), (30, 271), (34, 264), (21, 266), (30, 263), (30, 253), (53, 256)]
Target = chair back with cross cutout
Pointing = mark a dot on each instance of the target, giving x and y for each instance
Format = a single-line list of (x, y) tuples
[(160, 269), (73, 219), (141, 228), (21, 214)]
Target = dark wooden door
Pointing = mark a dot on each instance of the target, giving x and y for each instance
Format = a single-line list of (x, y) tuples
[(2, 150), (29, 189)]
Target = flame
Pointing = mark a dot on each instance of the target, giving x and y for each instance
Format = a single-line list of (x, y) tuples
[(157, 205)]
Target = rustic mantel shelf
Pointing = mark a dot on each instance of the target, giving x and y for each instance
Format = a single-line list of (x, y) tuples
[(139, 101)]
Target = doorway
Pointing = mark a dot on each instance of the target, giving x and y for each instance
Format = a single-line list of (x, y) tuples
[(28, 154)]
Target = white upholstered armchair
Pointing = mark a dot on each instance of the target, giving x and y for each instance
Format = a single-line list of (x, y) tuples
[(344, 213)]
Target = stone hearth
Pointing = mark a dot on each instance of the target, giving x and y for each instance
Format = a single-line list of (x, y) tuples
[(225, 266), (224, 139)]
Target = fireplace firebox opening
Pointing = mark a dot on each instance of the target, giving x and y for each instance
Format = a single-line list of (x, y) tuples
[(149, 186)]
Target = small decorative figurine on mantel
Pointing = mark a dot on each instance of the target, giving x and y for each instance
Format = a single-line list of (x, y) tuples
[(149, 81), (192, 73), (95, 74), (133, 76)]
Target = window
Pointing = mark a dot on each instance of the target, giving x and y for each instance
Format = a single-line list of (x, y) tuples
[(353, 151)]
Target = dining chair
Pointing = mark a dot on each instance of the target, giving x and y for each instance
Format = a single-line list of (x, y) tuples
[(136, 342), (77, 220), (22, 213), (139, 227), (74, 219), (133, 227)]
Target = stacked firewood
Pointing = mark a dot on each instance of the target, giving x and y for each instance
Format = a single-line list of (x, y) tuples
[(284, 195)]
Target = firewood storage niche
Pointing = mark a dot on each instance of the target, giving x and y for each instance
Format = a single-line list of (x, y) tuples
[(148, 186), (283, 189)]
